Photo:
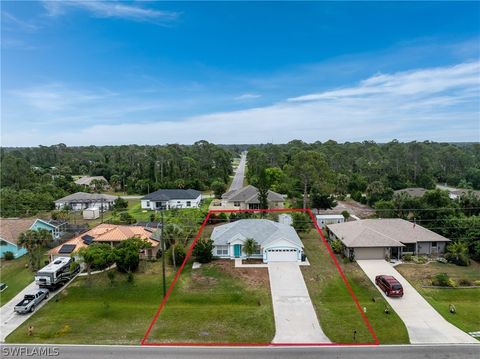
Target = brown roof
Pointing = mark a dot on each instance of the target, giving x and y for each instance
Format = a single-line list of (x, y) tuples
[(11, 228), (109, 233)]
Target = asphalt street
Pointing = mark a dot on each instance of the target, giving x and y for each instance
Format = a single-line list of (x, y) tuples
[(237, 182), (466, 351)]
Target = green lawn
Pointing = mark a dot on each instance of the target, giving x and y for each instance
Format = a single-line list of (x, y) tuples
[(16, 275), (466, 301), (336, 310), (208, 304)]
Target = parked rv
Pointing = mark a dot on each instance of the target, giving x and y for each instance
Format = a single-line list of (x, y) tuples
[(57, 273)]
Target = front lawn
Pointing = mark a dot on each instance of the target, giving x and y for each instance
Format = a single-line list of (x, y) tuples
[(466, 301), (337, 313), (16, 275)]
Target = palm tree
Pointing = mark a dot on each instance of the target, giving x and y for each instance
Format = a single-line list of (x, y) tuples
[(250, 246), (171, 234), (35, 241), (458, 249)]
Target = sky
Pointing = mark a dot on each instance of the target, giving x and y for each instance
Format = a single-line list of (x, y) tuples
[(146, 72)]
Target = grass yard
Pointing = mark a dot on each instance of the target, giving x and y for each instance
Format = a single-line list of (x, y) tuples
[(16, 275), (218, 303), (466, 301), (336, 310)]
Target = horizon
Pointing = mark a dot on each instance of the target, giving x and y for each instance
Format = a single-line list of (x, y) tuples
[(99, 73)]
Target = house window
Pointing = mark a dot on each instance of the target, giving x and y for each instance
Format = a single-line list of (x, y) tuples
[(236, 204), (148, 203), (222, 250), (434, 244), (189, 203), (3, 243)]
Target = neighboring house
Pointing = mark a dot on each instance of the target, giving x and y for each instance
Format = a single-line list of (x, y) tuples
[(277, 242), (172, 198), (10, 230), (87, 181), (81, 200), (57, 228), (457, 193), (110, 234), (412, 191), (392, 237), (247, 198), (325, 219)]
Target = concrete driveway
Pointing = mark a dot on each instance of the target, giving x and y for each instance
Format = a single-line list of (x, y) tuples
[(424, 324), (295, 317)]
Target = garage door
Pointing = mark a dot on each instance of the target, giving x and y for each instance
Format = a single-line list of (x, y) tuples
[(282, 255), (370, 253)]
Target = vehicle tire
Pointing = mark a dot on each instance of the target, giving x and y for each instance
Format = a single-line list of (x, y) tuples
[(46, 295), (32, 309)]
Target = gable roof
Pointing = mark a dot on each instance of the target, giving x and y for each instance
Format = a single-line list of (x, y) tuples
[(86, 197), (412, 191), (388, 232), (108, 233), (262, 231), (87, 180), (249, 194), (169, 194), (11, 228)]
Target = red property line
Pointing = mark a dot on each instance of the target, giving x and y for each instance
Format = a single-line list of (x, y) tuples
[(220, 344)]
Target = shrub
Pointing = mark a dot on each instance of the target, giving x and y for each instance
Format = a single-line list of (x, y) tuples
[(203, 251), (179, 254), (346, 215), (126, 218), (130, 277), (460, 259), (465, 282), (442, 280), (8, 256), (407, 257), (127, 255), (301, 222), (337, 246), (111, 276)]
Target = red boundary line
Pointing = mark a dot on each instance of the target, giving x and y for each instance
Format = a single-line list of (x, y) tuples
[(143, 342)]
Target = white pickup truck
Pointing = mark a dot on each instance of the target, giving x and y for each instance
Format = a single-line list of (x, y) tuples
[(30, 301)]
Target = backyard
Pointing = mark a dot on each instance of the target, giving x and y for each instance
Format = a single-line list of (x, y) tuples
[(338, 315), (466, 301)]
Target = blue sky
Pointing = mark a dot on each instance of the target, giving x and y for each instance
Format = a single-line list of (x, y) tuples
[(97, 72)]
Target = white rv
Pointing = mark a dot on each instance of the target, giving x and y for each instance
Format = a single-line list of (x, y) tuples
[(56, 273)]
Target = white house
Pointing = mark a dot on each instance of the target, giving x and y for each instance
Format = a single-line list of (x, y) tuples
[(247, 198), (81, 200), (172, 198), (325, 219), (392, 237), (277, 242)]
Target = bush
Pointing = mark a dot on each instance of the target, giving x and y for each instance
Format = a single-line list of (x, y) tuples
[(127, 255), (301, 222), (337, 246), (460, 260), (126, 218), (465, 282), (111, 276), (130, 277), (8, 256), (407, 257), (442, 280), (346, 215), (203, 251), (179, 254)]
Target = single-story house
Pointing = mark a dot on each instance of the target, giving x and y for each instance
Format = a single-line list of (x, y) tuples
[(277, 242), (325, 219), (247, 198), (87, 181), (110, 234), (57, 228), (392, 237), (81, 200), (10, 230), (172, 198), (411, 191)]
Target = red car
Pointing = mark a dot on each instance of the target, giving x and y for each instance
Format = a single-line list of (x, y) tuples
[(389, 285)]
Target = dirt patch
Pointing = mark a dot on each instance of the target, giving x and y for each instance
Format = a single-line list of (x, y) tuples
[(353, 207), (252, 277), (203, 281), (252, 261)]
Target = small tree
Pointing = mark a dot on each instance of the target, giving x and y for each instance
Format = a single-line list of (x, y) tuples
[(120, 204), (127, 254), (346, 215), (218, 188), (301, 222), (126, 218), (203, 250), (176, 254), (337, 246), (250, 246), (34, 241), (95, 255), (457, 252)]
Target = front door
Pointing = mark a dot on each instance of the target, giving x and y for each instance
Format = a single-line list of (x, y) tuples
[(237, 250)]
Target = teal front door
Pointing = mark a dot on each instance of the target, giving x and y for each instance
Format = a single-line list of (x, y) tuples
[(237, 250)]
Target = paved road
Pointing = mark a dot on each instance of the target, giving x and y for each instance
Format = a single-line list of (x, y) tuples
[(424, 324), (295, 318), (237, 182), (134, 352)]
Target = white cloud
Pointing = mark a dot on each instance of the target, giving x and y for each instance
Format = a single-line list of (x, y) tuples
[(440, 104), (110, 9), (247, 96)]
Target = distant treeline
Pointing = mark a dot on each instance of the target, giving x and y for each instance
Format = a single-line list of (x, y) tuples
[(32, 178)]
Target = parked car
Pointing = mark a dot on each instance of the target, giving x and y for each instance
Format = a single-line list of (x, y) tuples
[(389, 285), (30, 301)]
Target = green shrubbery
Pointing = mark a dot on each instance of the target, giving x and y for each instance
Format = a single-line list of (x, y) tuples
[(337, 246), (203, 251), (442, 280), (8, 256), (179, 254)]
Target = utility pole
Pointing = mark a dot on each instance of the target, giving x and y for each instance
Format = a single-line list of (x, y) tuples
[(163, 254)]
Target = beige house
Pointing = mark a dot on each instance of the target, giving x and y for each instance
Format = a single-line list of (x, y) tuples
[(392, 237), (247, 198)]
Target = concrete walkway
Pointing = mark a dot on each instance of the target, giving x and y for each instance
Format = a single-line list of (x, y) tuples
[(295, 317), (424, 324)]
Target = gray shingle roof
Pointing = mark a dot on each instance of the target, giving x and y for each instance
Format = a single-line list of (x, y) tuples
[(169, 194), (86, 197), (87, 180), (263, 231), (412, 191), (388, 232), (249, 194)]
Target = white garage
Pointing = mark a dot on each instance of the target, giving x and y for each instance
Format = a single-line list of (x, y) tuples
[(370, 253), (282, 255)]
